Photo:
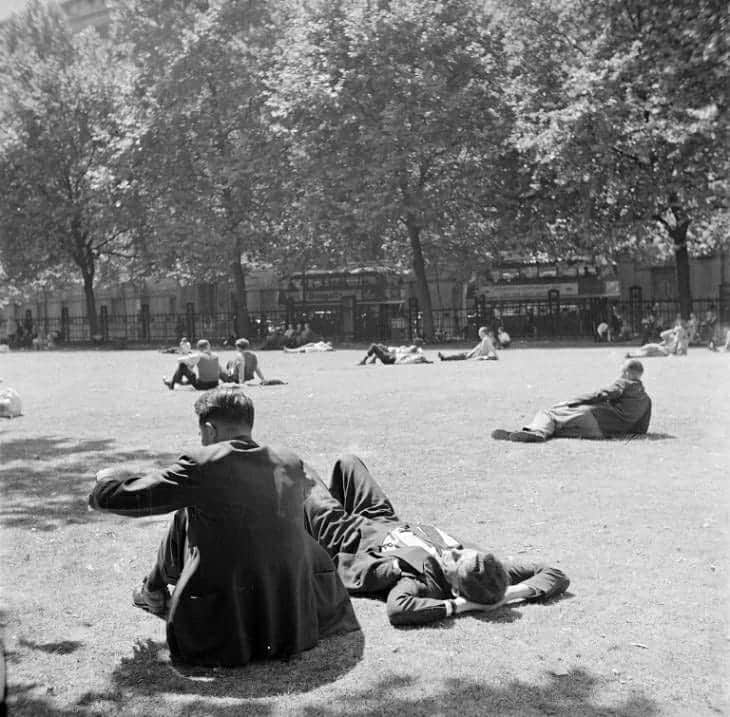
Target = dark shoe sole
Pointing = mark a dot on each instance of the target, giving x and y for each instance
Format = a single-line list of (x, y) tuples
[(142, 604)]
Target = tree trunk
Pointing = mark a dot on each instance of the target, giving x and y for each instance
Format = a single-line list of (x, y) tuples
[(419, 270), (681, 260), (92, 318), (240, 304)]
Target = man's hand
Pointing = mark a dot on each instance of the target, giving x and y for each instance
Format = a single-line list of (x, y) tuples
[(463, 605), (107, 474)]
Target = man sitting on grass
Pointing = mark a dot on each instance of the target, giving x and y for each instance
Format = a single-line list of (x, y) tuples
[(426, 574), (623, 408), (483, 351), (250, 582), (207, 364), (246, 365)]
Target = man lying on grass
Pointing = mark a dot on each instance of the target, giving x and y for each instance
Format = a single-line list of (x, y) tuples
[(623, 408), (250, 583), (425, 573)]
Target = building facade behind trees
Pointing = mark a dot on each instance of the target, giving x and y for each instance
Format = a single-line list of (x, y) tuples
[(530, 299)]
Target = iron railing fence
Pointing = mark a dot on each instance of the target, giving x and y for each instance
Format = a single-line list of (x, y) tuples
[(568, 319)]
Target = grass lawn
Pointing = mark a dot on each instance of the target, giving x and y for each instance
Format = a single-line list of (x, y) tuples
[(640, 526)]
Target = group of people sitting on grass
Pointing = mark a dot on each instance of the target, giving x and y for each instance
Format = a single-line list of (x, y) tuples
[(202, 369), (286, 336), (263, 556)]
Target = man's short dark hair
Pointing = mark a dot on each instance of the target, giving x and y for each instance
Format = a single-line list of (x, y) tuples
[(635, 367), (242, 344), (225, 403), (481, 578)]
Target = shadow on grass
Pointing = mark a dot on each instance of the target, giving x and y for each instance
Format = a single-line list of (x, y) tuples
[(45, 481), (571, 695), (64, 647), (149, 671), (568, 695)]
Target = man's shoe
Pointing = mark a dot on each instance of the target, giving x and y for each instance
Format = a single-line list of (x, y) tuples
[(169, 384), (440, 355), (527, 437), (152, 601), (499, 434)]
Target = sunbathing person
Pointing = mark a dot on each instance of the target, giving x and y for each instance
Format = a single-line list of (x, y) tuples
[(396, 354), (623, 408), (673, 341), (311, 347), (483, 351), (209, 371), (250, 582), (426, 574)]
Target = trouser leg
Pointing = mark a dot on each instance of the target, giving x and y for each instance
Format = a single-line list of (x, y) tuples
[(327, 521), (453, 357), (582, 424), (171, 553), (542, 423), (183, 371), (379, 351), (355, 488), (566, 421)]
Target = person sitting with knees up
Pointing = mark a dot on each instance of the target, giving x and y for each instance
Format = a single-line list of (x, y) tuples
[(209, 371)]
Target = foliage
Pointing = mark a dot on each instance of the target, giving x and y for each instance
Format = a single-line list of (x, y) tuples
[(67, 123), (209, 169), (622, 111), (396, 113)]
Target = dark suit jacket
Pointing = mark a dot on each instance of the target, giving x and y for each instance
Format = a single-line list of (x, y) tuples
[(417, 590), (621, 408), (256, 584)]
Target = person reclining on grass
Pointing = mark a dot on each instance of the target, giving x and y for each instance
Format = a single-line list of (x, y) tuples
[(246, 365), (673, 341), (207, 364), (250, 582), (426, 574), (312, 347), (396, 354), (483, 351), (623, 408)]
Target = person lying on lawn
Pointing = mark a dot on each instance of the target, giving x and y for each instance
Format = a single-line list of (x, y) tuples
[(396, 354), (425, 574), (623, 408), (209, 371), (673, 341), (250, 582), (484, 350)]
